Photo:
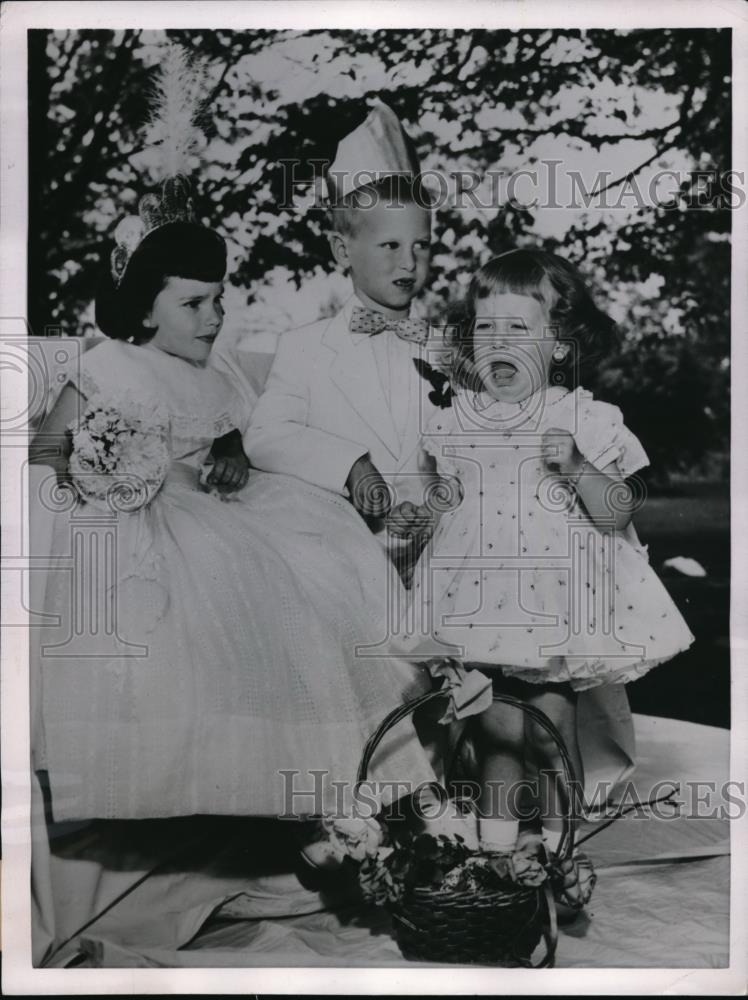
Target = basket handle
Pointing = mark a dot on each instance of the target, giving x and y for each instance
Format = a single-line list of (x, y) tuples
[(566, 844), (395, 716)]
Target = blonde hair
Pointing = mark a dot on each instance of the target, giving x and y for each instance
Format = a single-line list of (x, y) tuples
[(394, 190)]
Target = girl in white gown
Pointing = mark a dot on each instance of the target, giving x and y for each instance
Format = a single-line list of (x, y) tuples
[(236, 655)]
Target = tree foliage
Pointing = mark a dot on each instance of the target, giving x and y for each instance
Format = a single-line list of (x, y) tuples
[(478, 100)]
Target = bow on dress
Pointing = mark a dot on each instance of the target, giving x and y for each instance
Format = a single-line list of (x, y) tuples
[(470, 691)]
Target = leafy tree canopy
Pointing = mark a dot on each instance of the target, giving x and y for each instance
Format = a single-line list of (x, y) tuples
[(492, 103)]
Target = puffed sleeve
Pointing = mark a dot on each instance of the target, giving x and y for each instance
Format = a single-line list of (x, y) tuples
[(602, 437), (92, 371)]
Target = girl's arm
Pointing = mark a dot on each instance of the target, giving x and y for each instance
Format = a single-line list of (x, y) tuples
[(607, 497), (52, 443), (442, 487)]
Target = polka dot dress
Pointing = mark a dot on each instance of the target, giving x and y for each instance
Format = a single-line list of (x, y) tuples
[(517, 575)]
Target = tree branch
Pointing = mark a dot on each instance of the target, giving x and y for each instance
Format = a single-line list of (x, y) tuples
[(685, 107), (219, 86), (627, 177), (573, 128)]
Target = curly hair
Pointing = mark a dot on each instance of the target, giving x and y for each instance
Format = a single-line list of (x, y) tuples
[(175, 250), (560, 289)]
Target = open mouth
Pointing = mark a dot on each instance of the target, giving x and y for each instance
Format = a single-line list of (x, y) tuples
[(404, 282), (208, 338), (503, 371)]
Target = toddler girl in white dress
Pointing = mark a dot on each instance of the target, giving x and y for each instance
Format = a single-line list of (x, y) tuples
[(537, 577)]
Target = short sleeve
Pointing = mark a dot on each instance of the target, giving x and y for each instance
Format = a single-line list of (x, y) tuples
[(602, 436)]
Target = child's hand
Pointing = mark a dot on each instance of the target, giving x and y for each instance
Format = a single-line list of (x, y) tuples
[(560, 453), (368, 490), (410, 521), (229, 472)]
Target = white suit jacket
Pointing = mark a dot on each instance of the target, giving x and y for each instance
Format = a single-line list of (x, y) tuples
[(324, 407)]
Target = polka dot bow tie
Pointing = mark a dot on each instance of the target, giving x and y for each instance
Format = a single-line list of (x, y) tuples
[(371, 322)]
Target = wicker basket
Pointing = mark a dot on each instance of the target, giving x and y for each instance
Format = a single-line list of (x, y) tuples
[(498, 927)]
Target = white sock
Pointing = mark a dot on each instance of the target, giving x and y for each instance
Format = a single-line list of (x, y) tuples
[(551, 839), (498, 834)]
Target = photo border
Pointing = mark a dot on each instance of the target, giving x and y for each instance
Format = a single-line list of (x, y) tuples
[(17, 17)]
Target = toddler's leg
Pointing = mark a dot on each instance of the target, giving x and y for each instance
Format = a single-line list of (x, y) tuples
[(576, 876), (500, 737), (558, 702)]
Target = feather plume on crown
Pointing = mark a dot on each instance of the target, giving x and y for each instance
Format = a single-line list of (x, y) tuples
[(179, 95)]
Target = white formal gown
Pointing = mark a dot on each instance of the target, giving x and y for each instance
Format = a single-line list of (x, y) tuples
[(243, 640)]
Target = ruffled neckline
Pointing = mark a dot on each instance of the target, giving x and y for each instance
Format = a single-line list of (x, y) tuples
[(200, 400), (482, 410)]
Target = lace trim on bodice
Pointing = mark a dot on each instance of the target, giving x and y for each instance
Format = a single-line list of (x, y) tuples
[(185, 426)]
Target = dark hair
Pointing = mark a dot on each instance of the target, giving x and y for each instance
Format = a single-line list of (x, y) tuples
[(560, 288), (394, 190), (175, 250)]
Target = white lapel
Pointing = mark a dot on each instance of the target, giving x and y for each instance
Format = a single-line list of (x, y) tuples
[(354, 371), (418, 408), (404, 394)]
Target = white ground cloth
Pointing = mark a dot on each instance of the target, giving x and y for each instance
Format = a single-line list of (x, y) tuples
[(662, 898)]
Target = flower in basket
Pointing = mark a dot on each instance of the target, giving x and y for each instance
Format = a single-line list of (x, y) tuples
[(390, 872), (494, 872), (379, 878), (357, 837), (119, 459), (520, 868), (443, 863)]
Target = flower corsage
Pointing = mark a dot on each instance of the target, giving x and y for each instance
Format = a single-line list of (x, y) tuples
[(119, 459), (439, 379)]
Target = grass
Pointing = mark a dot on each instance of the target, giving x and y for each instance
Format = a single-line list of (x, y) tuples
[(691, 521)]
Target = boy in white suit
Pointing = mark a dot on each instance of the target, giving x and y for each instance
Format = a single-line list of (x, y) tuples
[(344, 403)]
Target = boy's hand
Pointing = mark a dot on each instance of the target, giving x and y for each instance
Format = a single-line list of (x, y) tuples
[(229, 466), (367, 489), (230, 472), (560, 453), (407, 520)]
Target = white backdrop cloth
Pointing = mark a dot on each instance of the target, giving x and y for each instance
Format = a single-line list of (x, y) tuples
[(662, 898)]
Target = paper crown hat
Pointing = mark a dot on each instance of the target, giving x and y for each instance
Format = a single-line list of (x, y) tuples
[(377, 148)]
